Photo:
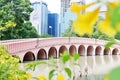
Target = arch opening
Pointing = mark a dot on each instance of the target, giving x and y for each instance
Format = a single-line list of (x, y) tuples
[(52, 52), (90, 50), (41, 54), (29, 56), (115, 51), (72, 50), (106, 51), (81, 50), (62, 49), (98, 50)]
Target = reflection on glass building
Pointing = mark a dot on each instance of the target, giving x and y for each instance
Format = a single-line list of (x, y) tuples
[(53, 24), (39, 16)]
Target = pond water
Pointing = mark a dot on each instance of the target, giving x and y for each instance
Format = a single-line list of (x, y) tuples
[(90, 67)]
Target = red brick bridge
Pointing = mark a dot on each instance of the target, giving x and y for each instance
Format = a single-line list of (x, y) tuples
[(43, 48)]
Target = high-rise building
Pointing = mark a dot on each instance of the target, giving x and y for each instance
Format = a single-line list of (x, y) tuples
[(39, 16), (53, 24), (65, 15), (64, 5)]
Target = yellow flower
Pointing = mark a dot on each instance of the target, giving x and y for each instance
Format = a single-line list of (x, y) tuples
[(14, 25), (1, 28), (75, 7), (84, 23), (60, 77), (105, 27), (106, 77), (29, 75), (114, 4), (1, 50), (23, 77), (10, 24), (42, 77)]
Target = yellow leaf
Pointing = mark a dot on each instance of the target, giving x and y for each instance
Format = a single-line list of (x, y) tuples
[(105, 27)]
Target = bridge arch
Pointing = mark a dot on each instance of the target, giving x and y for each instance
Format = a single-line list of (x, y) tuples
[(42, 54), (81, 50), (106, 51), (90, 50), (115, 51), (52, 52), (98, 50), (29, 56), (62, 49), (72, 49)]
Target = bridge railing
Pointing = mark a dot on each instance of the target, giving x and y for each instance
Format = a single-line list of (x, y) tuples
[(16, 46)]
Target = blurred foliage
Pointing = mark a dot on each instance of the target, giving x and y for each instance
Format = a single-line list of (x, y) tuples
[(45, 36), (9, 67), (113, 74), (117, 36), (110, 43)]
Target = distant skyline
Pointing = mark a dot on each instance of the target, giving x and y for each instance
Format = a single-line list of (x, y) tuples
[(53, 5)]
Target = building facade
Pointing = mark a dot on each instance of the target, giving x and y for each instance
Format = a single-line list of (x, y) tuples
[(39, 17), (66, 16), (65, 4), (53, 24)]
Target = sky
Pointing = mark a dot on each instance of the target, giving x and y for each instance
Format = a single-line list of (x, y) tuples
[(53, 5)]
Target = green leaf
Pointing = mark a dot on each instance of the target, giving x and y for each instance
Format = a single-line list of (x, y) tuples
[(65, 57), (51, 74), (32, 65), (53, 60), (109, 44), (68, 71), (98, 0), (115, 74), (114, 13), (76, 56)]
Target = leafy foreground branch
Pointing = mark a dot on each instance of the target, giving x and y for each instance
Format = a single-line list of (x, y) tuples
[(9, 67)]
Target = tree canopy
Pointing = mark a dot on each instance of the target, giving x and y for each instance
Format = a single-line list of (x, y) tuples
[(14, 20)]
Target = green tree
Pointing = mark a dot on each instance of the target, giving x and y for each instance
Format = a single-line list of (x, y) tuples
[(45, 36), (117, 36), (14, 20), (98, 35)]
